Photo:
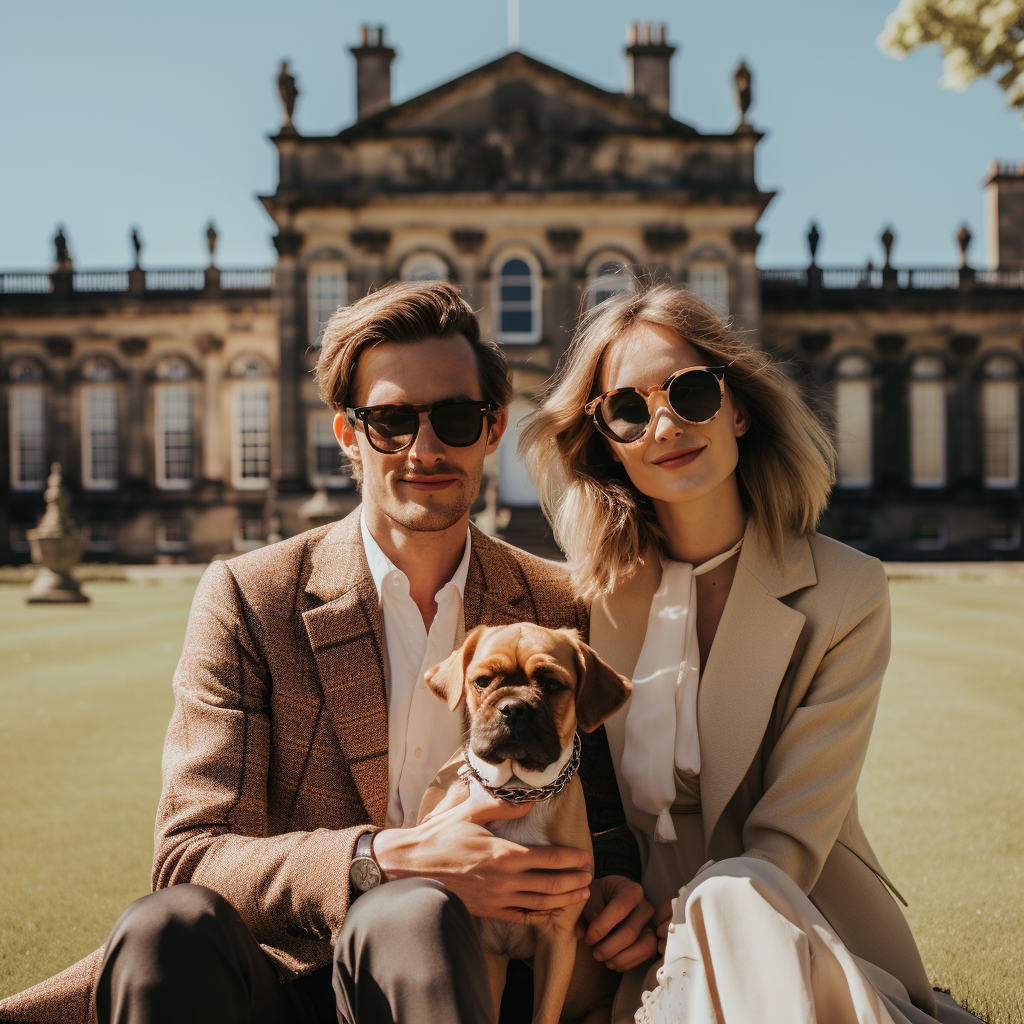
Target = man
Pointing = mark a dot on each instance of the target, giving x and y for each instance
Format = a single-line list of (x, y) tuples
[(303, 737)]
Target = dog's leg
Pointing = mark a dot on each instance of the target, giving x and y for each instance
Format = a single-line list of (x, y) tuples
[(552, 968), (497, 967)]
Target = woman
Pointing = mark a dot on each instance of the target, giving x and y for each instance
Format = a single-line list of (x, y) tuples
[(684, 477)]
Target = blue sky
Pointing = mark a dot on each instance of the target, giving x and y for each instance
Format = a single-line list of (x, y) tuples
[(117, 113)]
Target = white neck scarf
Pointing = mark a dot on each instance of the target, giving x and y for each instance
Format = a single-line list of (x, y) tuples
[(667, 677)]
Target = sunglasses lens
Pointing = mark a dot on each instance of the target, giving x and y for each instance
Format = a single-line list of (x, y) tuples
[(695, 396), (625, 415), (391, 429), (457, 424)]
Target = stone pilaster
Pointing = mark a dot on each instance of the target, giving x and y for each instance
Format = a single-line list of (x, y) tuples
[(563, 242), (663, 241), (965, 441), (373, 243), (746, 302), (891, 425), (214, 468), (291, 333), (469, 241), (133, 429)]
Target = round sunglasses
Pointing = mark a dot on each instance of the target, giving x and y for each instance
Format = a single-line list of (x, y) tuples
[(694, 394), (456, 422)]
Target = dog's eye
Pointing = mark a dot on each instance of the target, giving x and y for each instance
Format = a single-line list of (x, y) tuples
[(482, 681), (552, 686)]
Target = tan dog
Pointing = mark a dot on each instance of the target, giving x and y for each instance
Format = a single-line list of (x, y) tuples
[(526, 690)]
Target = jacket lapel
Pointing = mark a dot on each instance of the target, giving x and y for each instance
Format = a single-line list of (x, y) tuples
[(496, 591), (746, 666), (346, 633)]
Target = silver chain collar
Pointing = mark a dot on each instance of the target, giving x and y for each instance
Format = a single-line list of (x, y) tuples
[(518, 795)]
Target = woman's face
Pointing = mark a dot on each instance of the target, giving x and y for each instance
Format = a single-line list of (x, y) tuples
[(675, 461)]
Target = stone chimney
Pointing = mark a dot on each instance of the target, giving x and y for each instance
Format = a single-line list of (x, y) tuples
[(649, 57), (1004, 216), (373, 73)]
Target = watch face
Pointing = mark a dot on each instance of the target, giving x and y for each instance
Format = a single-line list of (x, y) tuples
[(364, 873)]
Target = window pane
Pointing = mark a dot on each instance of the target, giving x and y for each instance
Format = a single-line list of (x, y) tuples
[(425, 268), (712, 285), (517, 268), (1001, 412), (254, 433), (516, 321), (853, 432), (516, 293), (328, 289), (174, 436), (325, 460), (928, 433), (28, 455), (99, 437)]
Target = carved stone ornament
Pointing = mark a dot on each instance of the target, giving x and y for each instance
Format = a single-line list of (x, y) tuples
[(564, 240), (662, 237), (746, 240), (211, 240), (62, 253), (963, 241), (888, 239), (372, 240), (289, 93), (743, 81), (468, 240), (57, 545), (813, 238), (287, 242), (137, 246), (133, 346)]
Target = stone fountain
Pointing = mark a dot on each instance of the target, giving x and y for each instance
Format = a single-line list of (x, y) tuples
[(57, 545)]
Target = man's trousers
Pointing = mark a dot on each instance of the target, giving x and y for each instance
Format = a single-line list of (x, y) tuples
[(407, 952)]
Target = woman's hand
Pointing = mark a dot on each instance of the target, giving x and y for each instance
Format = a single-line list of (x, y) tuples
[(662, 919), (615, 923)]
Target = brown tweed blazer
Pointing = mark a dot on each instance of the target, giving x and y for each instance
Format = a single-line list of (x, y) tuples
[(276, 756)]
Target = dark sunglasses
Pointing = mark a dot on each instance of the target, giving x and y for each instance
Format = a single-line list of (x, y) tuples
[(456, 422), (694, 394)]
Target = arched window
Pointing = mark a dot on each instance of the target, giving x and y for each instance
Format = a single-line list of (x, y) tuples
[(425, 266), (27, 426), (515, 487), (327, 289), (610, 277), (517, 301), (710, 280), (854, 435), (1000, 410), (927, 422)]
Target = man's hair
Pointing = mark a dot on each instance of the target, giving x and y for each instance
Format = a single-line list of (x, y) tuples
[(404, 311)]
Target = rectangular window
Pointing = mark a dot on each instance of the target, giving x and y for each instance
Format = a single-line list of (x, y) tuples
[(252, 436), (100, 536), (174, 437), (711, 282), (28, 451), (1001, 412), (172, 536), (99, 438), (327, 289), (853, 433), (325, 461), (928, 433)]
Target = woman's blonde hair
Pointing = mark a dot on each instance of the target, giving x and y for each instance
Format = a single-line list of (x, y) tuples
[(604, 525)]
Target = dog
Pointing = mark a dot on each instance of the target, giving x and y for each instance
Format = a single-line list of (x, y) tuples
[(526, 690)]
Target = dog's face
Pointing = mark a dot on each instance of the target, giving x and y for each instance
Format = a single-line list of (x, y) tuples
[(526, 689)]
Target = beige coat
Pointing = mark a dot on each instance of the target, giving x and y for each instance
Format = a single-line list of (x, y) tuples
[(784, 715)]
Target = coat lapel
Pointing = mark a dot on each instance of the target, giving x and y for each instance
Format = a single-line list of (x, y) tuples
[(496, 592), (346, 633), (746, 666)]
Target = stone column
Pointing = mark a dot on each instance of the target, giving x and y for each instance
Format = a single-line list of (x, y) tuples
[(373, 242), (291, 337), (133, 428), (662, 241), (563, 242), (211, 348), (965, 439), (746, 303), (891, 431), (469, 242)]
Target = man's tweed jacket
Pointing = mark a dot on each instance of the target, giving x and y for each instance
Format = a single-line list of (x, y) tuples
[(276, 756)]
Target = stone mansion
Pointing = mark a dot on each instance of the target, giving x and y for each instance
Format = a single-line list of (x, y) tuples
[(180, 403)]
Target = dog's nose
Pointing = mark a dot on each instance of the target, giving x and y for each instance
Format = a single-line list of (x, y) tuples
[(512, 710)]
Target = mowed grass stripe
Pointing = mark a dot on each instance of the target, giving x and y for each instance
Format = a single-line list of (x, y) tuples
[(82, 725)]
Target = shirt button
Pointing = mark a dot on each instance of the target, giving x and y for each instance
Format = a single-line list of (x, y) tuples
[(418, 752)]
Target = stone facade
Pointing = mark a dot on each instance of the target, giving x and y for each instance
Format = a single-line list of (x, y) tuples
[(181, 404)]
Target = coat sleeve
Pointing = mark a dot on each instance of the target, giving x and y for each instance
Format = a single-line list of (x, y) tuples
[(810, 773), (212, 827)]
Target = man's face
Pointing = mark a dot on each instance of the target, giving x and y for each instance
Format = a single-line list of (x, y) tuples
[(429, 486)]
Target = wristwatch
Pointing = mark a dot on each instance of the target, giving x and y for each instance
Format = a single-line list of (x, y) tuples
[(364, 872)]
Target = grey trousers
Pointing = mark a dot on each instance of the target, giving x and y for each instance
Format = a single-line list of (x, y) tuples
[(407, 952)]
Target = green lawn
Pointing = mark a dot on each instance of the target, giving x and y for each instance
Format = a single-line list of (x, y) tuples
[(85, 698)]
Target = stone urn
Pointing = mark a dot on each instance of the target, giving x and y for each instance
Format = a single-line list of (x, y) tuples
[(57, 546)]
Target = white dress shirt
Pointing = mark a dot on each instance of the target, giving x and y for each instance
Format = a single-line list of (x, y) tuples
[(422, 733)]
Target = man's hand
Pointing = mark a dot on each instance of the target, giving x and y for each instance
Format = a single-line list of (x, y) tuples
[(614, 922), (493, 877)]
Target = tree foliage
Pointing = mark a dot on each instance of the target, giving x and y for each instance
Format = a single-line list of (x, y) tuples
[(978, 38)]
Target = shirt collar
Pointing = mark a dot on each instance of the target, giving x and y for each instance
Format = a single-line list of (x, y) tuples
[(381, 566)]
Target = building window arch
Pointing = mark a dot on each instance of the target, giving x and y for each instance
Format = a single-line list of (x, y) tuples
[(326, 292), (1000, 414), (927, 400), (854, 428), (249, 367), (517, 298), (100, 435), (609, 275), (709, 278), (250, 435), (424, 266), (174, 433), (173, 368)]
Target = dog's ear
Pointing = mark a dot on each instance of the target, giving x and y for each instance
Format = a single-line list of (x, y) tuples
[(448, 680), (600, 690)]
